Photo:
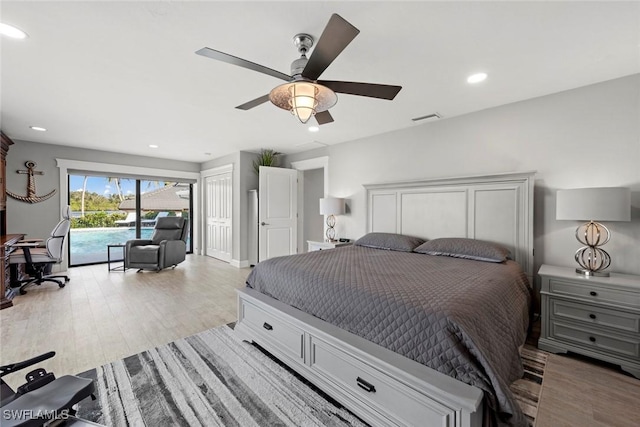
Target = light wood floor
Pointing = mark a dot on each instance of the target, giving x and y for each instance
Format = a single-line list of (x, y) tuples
[(100, 317), (103, 316)]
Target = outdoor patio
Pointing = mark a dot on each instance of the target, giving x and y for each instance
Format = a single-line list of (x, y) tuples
[(89, 245)]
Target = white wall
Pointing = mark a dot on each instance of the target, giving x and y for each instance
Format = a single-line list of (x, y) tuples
[(584, 137), (38, 219), (587, 137), (244, 179), (313, 192)]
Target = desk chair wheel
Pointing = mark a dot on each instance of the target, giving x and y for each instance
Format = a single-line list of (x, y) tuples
[(62, 285)]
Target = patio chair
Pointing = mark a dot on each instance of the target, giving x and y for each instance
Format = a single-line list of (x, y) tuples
[(152, 222), (129, 221), (42, 398), (167, 246), (38, 257)]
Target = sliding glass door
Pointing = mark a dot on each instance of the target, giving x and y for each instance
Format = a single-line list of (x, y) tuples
[(112, 210)]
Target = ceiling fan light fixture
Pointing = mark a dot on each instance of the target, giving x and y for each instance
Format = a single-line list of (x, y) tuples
[(303, 98)]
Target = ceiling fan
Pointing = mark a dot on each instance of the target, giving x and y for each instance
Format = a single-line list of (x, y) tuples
[(303, 94)]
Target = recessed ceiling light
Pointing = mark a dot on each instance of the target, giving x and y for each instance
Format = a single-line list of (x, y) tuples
[(153, 146), (38, 128), (13, 32), (476, 78), (314, 128)]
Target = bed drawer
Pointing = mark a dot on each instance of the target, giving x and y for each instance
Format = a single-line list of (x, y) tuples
[(275, 331), (594, 293), (603, 342), (620, 320), (377, 389)]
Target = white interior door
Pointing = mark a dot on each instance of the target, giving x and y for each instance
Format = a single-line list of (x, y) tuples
[(219, 208), (277, 208)]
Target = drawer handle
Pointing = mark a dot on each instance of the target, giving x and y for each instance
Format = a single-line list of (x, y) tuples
[(267, 326), (365, 385), (593, 293), (592, 339), (593, 316)]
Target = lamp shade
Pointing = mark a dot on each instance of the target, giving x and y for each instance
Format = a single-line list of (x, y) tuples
[(303, 98), (331, 206), (597, 204)]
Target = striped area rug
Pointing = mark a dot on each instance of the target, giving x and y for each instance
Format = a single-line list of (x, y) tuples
[(208, 379), (212, 379), (527, 389)]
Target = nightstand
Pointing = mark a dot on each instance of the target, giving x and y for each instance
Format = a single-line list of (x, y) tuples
[(595, 316), (319, 246)]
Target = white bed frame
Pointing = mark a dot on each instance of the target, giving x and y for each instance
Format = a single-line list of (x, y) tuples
[(382, 387)]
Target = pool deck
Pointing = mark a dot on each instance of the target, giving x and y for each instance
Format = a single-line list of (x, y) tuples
[(97, 252), (89, 258)]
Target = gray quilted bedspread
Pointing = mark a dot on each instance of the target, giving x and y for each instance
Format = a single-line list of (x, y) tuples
[(463, 318)]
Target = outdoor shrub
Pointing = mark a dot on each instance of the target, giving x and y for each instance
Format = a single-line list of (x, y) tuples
[(97, 219)]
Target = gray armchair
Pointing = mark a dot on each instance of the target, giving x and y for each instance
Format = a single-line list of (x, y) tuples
[(167, 247)]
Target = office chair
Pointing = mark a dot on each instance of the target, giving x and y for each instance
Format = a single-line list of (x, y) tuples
[(38, 257), (42, 398)]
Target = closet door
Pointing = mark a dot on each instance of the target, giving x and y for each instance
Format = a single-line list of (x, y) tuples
[(219, 208)]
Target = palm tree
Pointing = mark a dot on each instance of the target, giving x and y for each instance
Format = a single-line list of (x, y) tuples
[(84, 190), (157, 184), (116, 182)]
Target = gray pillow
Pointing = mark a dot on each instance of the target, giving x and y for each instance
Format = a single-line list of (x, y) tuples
[(464, 248), (390, 241)]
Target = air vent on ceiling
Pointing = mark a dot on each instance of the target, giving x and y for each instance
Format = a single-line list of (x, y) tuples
[(428, 117), (313, 144)]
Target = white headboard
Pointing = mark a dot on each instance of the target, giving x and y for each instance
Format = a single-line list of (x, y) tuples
[(496, 208)]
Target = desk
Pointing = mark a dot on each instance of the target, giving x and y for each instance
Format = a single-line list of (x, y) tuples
[(6, 293), (109, 260)]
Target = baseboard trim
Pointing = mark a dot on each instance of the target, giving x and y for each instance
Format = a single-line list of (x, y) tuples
[(239, 264)]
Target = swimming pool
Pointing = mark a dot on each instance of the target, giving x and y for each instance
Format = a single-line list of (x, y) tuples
[(89, 245)]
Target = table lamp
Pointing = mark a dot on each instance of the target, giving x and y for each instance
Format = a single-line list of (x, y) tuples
[(592, 205), (331, 206)]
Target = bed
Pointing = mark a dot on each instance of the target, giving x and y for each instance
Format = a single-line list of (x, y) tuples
[(361, 324)]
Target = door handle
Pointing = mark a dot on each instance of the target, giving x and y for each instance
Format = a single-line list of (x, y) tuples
[(263, 223)]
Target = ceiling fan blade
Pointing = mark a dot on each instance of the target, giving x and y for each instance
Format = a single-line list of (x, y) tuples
[(254, 103), (336, 36), (371, 90), (324, 117), (230, 59)]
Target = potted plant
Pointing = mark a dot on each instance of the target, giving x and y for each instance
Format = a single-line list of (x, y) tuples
[(266, 157)]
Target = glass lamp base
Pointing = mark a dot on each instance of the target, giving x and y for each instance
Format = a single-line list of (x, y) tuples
[(589, 273), (331, 232), (592, 258)]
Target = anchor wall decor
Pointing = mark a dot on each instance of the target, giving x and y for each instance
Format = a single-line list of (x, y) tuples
[(31, 196)]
